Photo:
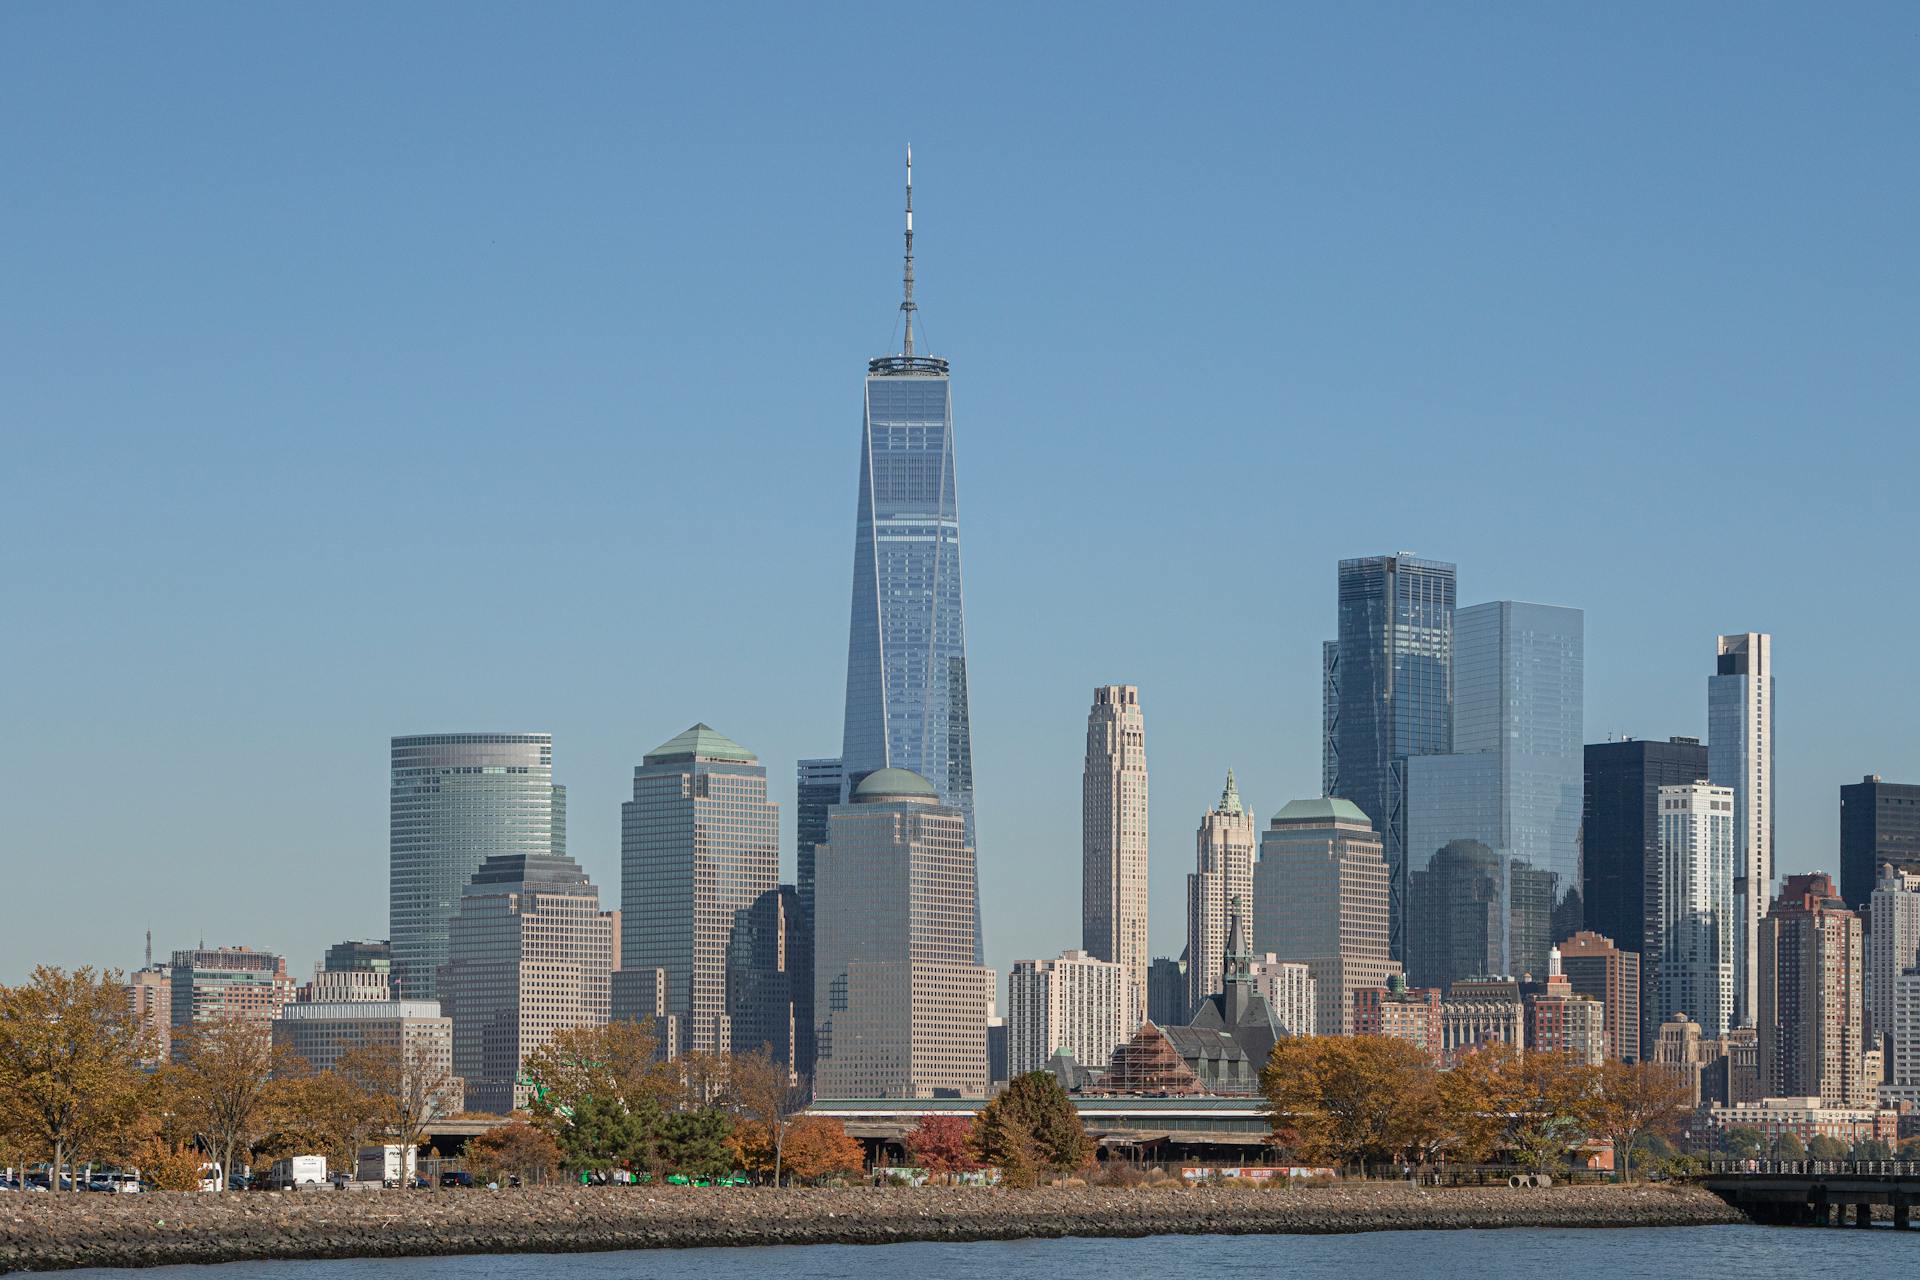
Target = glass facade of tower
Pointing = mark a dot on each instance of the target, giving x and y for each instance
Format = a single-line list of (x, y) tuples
[(907, 640), (455, 800), (1513, 783), (1391, 683)]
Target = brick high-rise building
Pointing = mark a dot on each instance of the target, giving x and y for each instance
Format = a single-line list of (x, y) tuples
[(1811, 1019), (528, 954), (1596, 968), (699, 845), (1320, 899), (902, 1007), (211, 983), (1113, 839), (1402, 1013), (150, 1001), (1562, 1021), (1222, 876)]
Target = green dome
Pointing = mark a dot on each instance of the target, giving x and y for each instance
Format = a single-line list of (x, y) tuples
[(894, 784)]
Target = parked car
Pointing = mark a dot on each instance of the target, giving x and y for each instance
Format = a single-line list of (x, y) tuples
[(456, 1178)]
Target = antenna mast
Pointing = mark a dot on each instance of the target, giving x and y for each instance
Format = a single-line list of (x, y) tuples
[(906, 303)]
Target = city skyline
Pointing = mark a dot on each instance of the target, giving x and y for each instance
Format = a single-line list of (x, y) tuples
[(224, 613)]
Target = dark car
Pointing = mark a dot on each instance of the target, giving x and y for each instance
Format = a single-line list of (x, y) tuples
[(456, 1179)]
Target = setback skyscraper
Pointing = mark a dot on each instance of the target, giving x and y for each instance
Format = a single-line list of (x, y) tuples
[(1740, 756), (699, 846), (1113, 839), (456, 800), (1222, 876), (907, 640), (1391, 685)]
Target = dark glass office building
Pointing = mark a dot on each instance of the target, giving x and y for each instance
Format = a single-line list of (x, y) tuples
[(1620, 842), (1391, 686), (1879, 822), (817, 790)]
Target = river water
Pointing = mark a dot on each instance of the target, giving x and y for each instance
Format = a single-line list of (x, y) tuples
[(1705, 1253)]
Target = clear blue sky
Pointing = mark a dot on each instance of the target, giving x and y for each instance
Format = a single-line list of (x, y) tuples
[(400, 369)]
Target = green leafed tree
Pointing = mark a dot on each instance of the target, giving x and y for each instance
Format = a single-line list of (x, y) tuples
[(1030, 1130)]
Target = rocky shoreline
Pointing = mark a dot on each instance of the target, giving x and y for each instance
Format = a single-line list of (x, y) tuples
[(48, 1232)]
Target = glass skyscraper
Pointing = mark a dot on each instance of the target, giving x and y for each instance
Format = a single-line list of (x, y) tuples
[(455, 800), (906, 644), (1514, 780), (1388, 686)]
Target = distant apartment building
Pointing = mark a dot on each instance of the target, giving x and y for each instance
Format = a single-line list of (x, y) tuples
[(1601, 971), (1113, 838), (528, 954), (1879, 825), (1682, 1053), (1320, 899), (211, 983), (1076, 1003), (1291, 994), (902, 1007), (1808, 1118), (1401, 1012), (1222, 876), (455, 800), (1694, 911), (1903, 1044), (1167, 991), (150, 1001), (1811, 1024), (699, 844), (1564, 1022), (1893, 945)]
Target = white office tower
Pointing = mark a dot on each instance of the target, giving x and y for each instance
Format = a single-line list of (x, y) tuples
[(1740, 757)]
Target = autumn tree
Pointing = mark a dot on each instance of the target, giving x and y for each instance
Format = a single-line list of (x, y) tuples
[(764, 1097), (615, 1060), (1637, 1100), (70, 1051), (408, 1086), (1031, 1128), (514, 1150), (1348, 1100), (223, 1084), (819, 1147), (1541, 1103), (942, 1145)]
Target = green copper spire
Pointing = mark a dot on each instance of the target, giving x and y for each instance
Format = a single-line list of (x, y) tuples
[(1230, 798)]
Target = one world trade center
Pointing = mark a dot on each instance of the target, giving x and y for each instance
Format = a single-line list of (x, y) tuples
[(906, 643)]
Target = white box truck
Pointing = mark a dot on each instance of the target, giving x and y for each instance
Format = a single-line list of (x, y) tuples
[(295, 1172), (393, 1165)]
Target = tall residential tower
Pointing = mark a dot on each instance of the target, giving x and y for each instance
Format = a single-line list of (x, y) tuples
[(1113, 839), (1740, 756)]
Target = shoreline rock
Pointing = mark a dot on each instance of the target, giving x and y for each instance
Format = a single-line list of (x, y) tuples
[(51, 1233)]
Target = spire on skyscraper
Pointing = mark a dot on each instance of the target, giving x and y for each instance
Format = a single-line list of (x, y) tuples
[(906, 302)]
